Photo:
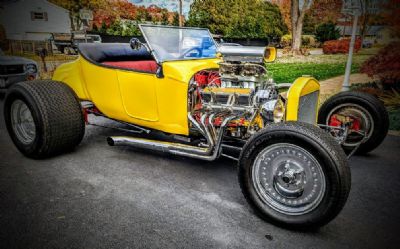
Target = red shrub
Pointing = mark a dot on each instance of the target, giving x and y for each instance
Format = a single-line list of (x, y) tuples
[(385, 65), (340, 46)]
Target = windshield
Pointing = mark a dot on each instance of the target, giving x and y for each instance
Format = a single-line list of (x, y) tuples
[(174, 43)]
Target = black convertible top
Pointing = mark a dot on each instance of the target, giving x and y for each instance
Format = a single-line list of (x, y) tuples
[(101, 52)]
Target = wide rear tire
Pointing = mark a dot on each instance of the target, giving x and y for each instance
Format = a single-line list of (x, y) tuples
[(294, 175), (43, 118)]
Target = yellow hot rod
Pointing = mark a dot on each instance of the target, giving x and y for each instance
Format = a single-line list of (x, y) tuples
[(213, 101)]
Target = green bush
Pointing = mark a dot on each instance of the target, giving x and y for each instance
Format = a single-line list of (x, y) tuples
[(307, 41), (394, 119), (326, 32), (286, 40)]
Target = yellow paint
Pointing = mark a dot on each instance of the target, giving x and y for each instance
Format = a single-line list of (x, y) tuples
[(272, 54), (302, 86), (134, 97), (71, 72)]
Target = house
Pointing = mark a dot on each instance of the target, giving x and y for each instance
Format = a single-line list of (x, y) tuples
[(377, 34), (33, 20)]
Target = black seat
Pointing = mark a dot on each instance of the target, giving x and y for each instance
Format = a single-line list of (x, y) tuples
[(101, 52)]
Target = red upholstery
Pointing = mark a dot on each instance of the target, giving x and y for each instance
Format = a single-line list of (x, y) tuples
[(147, 66)]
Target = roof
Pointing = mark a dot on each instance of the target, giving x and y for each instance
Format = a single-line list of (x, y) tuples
[(9, 2), (371, 31)]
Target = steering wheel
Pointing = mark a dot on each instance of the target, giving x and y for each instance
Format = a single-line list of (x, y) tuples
[(188, 51)]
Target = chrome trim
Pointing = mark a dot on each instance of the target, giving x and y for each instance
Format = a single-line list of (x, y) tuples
[(209, 153)]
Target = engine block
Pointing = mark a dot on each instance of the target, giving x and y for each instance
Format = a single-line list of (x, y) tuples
[(239, 88)]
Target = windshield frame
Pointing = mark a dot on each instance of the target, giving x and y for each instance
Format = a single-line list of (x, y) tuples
[(158, 60)]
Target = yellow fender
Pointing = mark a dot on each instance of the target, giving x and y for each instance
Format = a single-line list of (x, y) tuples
[(303, 100)]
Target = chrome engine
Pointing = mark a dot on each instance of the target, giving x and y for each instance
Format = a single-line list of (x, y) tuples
[(241, 87)]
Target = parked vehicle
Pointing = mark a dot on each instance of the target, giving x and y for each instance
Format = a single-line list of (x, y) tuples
[(290, 171), (68, 43), (95, 38), (15, 69), (367, 43)]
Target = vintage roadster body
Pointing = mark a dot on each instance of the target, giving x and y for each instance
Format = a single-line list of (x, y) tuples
[(213, 102)]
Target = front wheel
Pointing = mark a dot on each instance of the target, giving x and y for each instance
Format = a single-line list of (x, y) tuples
[(295, 175)]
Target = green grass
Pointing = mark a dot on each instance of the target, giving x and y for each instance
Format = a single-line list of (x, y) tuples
[(289, 72), (322, 67)]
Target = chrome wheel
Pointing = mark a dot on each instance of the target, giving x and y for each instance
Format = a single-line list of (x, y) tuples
[(22, 122), (288, 179), (359, 113)]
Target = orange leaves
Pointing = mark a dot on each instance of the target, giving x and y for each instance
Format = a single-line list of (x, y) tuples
[(340, 46)]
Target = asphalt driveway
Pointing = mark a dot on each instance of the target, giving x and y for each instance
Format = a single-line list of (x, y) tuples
[(114, 197)]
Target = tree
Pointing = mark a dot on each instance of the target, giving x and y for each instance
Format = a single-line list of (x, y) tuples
[(175, 21), (74, 6), (391, 16), (321, 11), (297, 12), (284, 7), (238, 18), (124, 10), (386, 64), (327, 31)]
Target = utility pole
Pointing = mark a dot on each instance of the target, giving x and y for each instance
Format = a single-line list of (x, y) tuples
[(346, 82), (180, 13), (354, 8)]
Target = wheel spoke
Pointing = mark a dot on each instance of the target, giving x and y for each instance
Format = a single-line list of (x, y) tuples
[(288, 179), (22, 122)]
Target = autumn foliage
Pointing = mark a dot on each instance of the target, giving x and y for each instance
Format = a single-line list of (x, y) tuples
[(123, 9), (340, 46), (385, 65)]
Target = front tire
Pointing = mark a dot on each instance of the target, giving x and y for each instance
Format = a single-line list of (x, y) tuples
[(43, 118), (294, 175)]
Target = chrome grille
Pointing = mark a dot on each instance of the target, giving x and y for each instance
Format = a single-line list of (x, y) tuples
[(308, 108), (11, 69)]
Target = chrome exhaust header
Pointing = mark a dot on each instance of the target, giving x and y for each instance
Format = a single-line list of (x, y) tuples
[(209, 153)]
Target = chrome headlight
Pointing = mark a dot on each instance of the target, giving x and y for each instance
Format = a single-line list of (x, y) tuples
[(273, 110), (279, 111), (31, 68)]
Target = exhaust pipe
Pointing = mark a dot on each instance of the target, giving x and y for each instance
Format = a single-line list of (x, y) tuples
[(209, 153)]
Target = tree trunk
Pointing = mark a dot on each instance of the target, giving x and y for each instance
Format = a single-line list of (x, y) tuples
[(296, 36), (71, 19), (297, 15)]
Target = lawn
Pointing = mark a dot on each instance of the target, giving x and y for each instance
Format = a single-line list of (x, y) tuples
[(287, 69)]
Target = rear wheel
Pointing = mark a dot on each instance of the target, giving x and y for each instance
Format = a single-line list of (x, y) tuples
[(43, 118), (367, 117), (295, 175)]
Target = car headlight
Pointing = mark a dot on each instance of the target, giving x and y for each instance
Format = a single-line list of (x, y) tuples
[(273, 110), (31, 68), (279, 111)]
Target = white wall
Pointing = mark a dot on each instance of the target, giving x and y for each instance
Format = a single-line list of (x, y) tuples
[(16, 20)]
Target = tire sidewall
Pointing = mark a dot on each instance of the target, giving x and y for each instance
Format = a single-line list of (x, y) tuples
[(17, 93), (377, 134), (327, 164)]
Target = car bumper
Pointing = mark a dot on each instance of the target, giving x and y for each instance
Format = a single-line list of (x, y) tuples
[(7, 80)]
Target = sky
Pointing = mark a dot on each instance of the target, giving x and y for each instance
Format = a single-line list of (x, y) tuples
[(171, 5)]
